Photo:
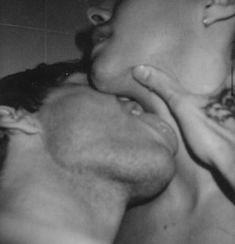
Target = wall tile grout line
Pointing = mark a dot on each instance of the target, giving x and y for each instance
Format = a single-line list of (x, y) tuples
[(37, 29)]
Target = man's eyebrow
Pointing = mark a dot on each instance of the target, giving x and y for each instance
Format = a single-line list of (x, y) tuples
[(63, 77), (76, 78)]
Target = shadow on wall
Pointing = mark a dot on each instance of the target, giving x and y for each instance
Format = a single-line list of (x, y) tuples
[(83, 41)]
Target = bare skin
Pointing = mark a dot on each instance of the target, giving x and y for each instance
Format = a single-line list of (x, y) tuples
[(208, 126), (207, 123), (191, 42), (73, 166)]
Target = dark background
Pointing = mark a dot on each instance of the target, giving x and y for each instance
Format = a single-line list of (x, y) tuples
[(35, 31)]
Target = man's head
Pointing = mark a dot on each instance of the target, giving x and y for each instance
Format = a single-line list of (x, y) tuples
[(26, 91), (171, 35), (86, 131)]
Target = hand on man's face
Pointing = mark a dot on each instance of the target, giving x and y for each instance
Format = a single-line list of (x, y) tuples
[(207, 123)]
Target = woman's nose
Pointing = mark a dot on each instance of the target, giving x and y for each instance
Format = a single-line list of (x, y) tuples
[(98, 15)]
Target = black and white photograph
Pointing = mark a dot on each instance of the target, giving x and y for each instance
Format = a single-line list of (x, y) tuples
[(117, 121)]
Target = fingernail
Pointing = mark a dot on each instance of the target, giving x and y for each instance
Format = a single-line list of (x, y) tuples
[(205, 22), (141, 73)]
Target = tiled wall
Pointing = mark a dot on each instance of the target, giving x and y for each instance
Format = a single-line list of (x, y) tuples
[(34, 31)]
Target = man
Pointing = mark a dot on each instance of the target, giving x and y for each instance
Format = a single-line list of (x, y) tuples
[(74, 158), (191, 42)]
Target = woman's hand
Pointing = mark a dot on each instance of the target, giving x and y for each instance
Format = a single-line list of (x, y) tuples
[(207, 123)]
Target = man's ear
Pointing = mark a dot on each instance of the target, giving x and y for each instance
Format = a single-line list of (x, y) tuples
[(218, 10), (18, 120)]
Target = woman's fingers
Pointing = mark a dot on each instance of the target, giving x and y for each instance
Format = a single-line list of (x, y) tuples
[(178, 99), (208, 137), (160, 82)]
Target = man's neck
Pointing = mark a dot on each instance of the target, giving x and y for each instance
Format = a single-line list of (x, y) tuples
[(51, 199)]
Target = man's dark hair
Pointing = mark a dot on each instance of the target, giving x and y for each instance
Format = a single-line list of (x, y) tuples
[(27, 90)]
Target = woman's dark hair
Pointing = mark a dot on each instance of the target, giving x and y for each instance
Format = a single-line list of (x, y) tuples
[(27, 90)]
